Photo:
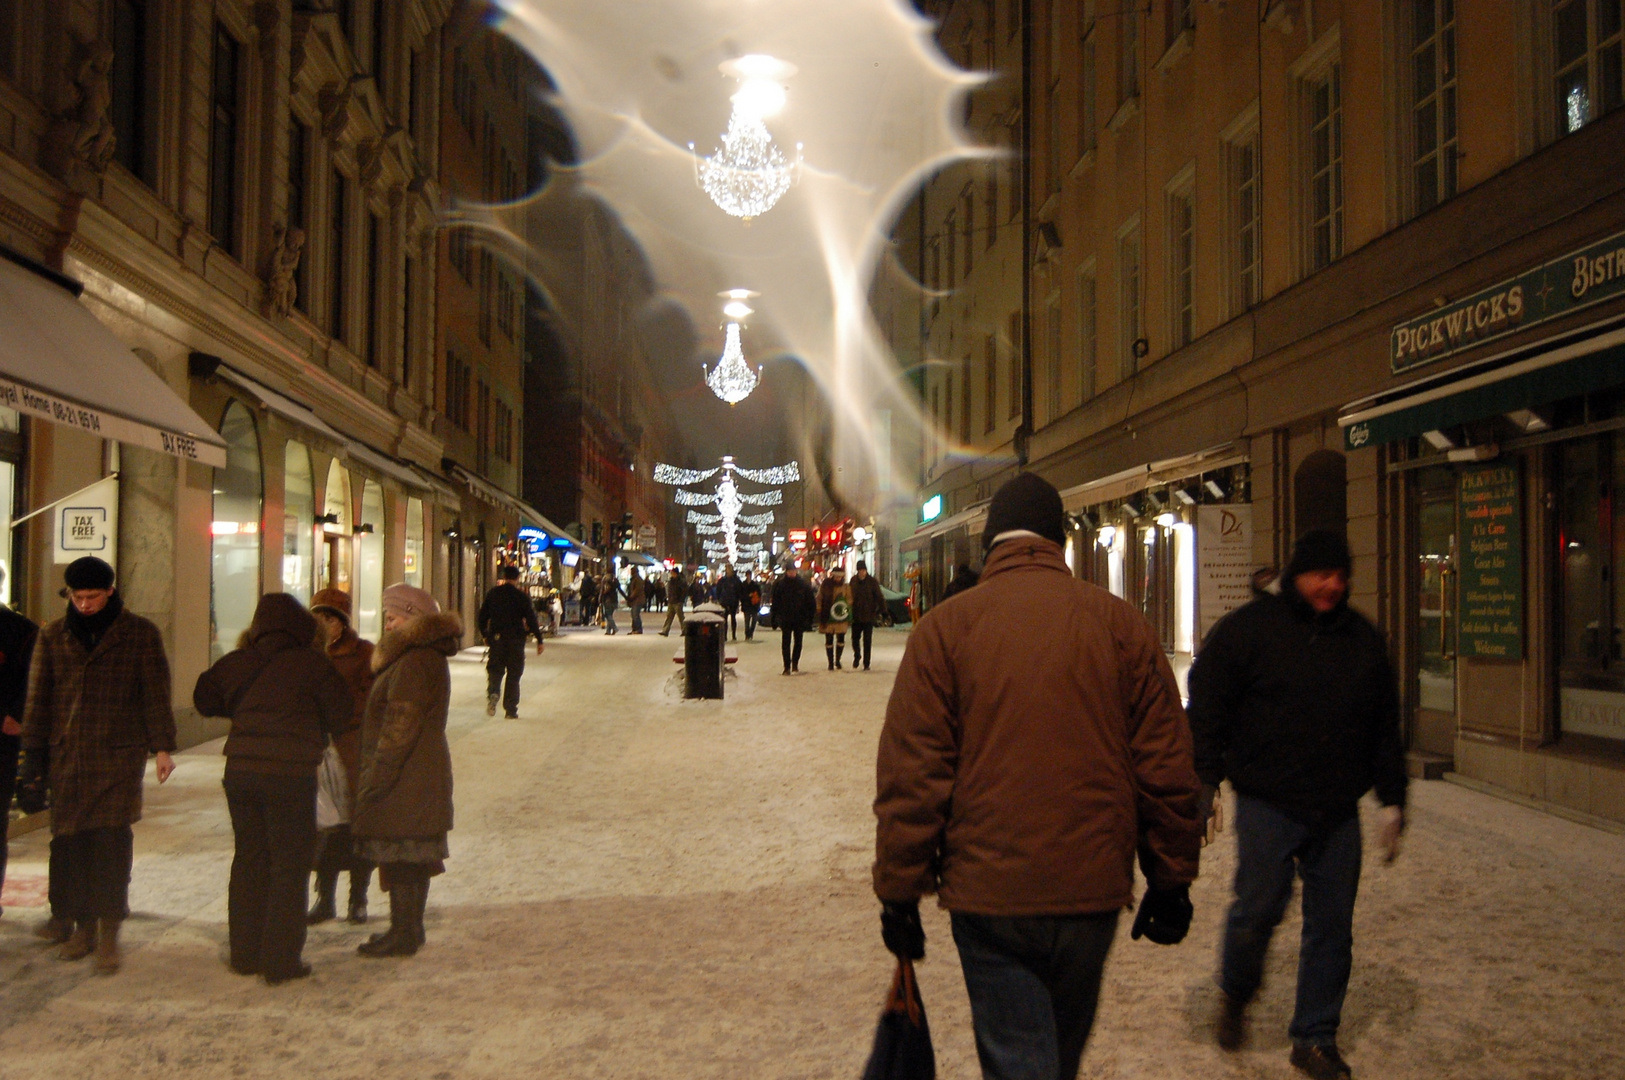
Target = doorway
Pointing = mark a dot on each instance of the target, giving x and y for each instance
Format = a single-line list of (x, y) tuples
[(1434, 679)]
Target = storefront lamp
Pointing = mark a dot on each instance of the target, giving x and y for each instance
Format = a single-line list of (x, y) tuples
[(1167, 521), (1215, 488), (364, 527), (1107, 536)]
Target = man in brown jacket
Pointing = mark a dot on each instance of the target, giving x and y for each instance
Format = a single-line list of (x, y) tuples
[(98, 704), (1033, 743)]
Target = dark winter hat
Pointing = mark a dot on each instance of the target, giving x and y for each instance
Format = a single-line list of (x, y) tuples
[(1319, 549), (88, 572), (281, 612), (509, 572), (1027, 502), (332, 602), (862, 565)]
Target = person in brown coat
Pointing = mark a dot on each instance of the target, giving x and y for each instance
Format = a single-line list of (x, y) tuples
[(1022, 763), (335, 849), (834, 615), (284, 699), (98, 704), (403, 801)]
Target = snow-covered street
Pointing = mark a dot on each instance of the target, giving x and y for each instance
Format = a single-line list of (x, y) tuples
[(646, 887)]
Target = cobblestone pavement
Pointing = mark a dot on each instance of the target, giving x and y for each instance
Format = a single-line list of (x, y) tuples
[(646, 887)]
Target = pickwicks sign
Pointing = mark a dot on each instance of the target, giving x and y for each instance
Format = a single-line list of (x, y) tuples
[(1490, 601)]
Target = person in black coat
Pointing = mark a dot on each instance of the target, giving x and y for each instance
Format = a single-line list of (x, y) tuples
[(1293, 699), (507, 621), (964, 578), (794, 608), (727, 593), (17, 634)]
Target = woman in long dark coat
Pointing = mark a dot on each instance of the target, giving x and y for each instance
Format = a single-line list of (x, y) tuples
[(403, 802)]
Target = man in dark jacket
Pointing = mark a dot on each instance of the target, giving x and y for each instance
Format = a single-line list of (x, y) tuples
[(1293, 699), (698, 591), (964, 578), (794, 608), (285, 700), (868, 606), (1022, 765), (589, 600), (750, 598), (676, 591), (728, 596), (17, 635), (507, 619)]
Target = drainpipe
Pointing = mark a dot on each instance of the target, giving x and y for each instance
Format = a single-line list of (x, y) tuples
[(1024, 432)]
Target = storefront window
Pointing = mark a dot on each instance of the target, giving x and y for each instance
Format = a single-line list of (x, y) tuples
[(10, 458), (236, 531), (369, 610), (413, 572), (337, 540), (298, 517), (1592, 546)]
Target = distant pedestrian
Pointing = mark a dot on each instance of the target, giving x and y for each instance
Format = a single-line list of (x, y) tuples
[(589, 600), (1292, 698), (727, 593), (698, 591), (868, 609), (98, 704), (609, 599), (964, 578), (794, 608), (17, 634), (676, 592), (834, 615), (284, 700), (750, 591), (507, 620), (1022, 764), (403, 808), (637, 595), (351, 654)]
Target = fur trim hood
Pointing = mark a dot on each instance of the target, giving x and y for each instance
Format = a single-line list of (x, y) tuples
[(441, 632)]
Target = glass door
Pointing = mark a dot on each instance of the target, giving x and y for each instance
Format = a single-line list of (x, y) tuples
[(1434, 723)]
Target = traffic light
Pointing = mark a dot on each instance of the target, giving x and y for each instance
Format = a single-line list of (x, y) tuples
[(818, 538), (835, 538)]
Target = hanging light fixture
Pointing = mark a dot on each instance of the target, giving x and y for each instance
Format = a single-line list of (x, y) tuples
[(732, 380), (749, 174)]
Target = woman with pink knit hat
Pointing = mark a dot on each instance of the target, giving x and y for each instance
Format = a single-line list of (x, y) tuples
[(403, 798)]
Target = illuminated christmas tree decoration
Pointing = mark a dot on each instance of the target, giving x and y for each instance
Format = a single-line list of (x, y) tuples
[(730, 501)]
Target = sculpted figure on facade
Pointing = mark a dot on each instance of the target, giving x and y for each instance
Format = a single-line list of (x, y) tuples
[(282, 278), (83, 139)]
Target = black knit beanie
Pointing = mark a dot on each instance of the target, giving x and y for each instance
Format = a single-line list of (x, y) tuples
[(1026, 502), (88, 572), (1319, 549)]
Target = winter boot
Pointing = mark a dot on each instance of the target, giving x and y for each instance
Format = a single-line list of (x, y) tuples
[(420, 903), (1231, 1023), (108, 956), (327, 883), (81, 943), (56, 930), (839, 649), (829, 652), (490, 704), (358, 897), (401, 937)]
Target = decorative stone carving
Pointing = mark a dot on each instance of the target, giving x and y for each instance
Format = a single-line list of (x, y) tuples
[(370, 160), (81, 141), (282, 276), (334, 103)]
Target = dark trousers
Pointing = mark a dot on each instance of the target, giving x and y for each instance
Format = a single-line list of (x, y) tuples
[(10, 747), (90, 873), (751, 611), (1272, 848), (733, 621), (791, 640), (273, 819), (637, 618), (335, 853), (863, 643), (1033, 984), (505, 658)]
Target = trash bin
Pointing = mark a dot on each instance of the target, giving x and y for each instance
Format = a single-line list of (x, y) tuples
[(702, 656)]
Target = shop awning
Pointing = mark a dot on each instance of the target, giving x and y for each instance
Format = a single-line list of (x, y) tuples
[(1120, 485), (1508, 384), (636, 558), (384, 465), (60, 364), (484, 489), (300, 416), (535, 519), (970, 516)]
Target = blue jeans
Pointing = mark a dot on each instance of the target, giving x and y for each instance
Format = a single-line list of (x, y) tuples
[(1273, 847), (1033, 983)]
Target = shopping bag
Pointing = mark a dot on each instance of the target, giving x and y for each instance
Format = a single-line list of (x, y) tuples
[(332, 791), (902, 1049)]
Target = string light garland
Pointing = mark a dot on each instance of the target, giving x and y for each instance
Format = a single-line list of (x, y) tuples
[(670, 474), (777, 476), (729, 522)]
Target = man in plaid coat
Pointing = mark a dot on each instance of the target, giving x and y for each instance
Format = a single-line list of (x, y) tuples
[(98, 703)]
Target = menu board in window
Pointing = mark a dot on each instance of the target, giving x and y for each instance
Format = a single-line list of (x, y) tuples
[(1490, 601)]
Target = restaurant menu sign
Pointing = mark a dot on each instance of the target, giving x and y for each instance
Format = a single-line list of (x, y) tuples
[(1490, 596), (1224, 547), (1576, 280)]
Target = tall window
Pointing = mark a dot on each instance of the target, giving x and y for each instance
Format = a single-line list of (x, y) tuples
[(1128, 299), (337, 278), (964, 404), (991, 192), (380, 27), (1246, 209), (947, 424), (377, 283), (298, 204), (1088, 118), (1087, 322), (1055, 401), (1586, 61), (345, 9), (129, 87), (298, 516), (990, 378), (950, 229), (409, 286), (967, 225), (235, 529), (1056, 165), (1433, 108), (1128, 53), (1016, 355), (1325, 138), (223, 193), (1180, 17), (485, 297), (1181, 268)]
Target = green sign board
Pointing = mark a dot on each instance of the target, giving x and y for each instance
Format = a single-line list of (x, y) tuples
[(1489, 601), (1579, 279)]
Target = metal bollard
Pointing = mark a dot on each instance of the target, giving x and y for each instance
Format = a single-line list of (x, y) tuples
[(702, 656)]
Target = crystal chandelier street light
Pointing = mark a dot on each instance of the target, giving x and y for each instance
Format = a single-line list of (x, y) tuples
[(732, 379), (730, 521), (749, 174)]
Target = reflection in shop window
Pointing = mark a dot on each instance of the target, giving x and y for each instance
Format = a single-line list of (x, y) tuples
[(333, 572), (413, 570), (10, 426), (235, 530), (298, 517), (370, 578)]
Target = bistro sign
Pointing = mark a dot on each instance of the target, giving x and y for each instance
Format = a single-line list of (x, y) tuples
[(1576, 280)]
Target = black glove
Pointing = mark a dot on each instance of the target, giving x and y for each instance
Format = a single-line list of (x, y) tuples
[(1204, 803), (32, 781), (1165, 915), (900, 929)]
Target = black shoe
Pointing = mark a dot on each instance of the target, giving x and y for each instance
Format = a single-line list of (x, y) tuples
[(787, 671), (395, 942), (358, 913), (249, 970), (277, 979), (1321, 1063), (324, 908), (1231, 1025), (510, 716)]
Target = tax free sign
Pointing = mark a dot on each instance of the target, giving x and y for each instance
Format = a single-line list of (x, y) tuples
[(1579, 279)]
